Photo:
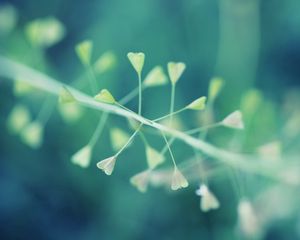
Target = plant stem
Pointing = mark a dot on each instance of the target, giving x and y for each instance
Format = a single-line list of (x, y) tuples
[(142, 136), (129, 140), (170, 115), (125, 108), (204, 128), (92, 79), (172, 103), (250, 163), (169, 148), (46, 110), (132, 94), (140, 94), (99, 129), (129, 96), (165, 148)]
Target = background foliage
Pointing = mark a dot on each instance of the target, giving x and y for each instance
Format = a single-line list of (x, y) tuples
[(250, 43)]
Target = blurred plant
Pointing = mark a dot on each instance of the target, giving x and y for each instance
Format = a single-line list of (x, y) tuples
[(8, 18), (43, 33)]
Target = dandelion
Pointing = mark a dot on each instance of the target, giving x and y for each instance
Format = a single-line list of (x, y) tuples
[(154, 158), (208, 199), (141, 180), (82, 157), (107, 165), (234, 120), (178, 180), (105, 96)]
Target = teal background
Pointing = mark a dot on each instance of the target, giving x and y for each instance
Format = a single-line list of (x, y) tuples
[(250, 43)]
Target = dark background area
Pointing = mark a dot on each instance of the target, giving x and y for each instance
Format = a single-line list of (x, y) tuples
[(250, 43)]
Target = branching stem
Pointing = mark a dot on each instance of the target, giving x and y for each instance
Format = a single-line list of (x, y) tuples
[(250, 163), (129, 140)]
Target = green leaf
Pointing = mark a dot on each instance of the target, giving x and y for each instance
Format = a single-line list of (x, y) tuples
[(65, 96), (178, 180), (154, 158), (84, 51), (271, 151), (107, 165), (208, 199), (156, 77), (141, 180), (18, 118), (32, 134), (82, 158), (137, 61), (71, 112), (176, 123), (118, 138), (250, 103), (234, 120), (45, 32), (105, 96), (215, 86), (248, 221), (133, 124), (175, 71), (198, 104), (105, 62), (21, 88), (8, 18)]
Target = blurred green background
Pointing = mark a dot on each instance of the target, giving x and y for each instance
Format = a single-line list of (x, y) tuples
[(249, 43)]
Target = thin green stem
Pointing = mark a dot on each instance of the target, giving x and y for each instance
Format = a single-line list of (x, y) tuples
[(46, 110), (131, 95), (169, 148), (129, 140), (172, 103), (142, 136), (122, 106), (204, 128), (103, 118), (170, 115), (92, 79), (140, 94), (202, 135), (165, 148), (99, 129)]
